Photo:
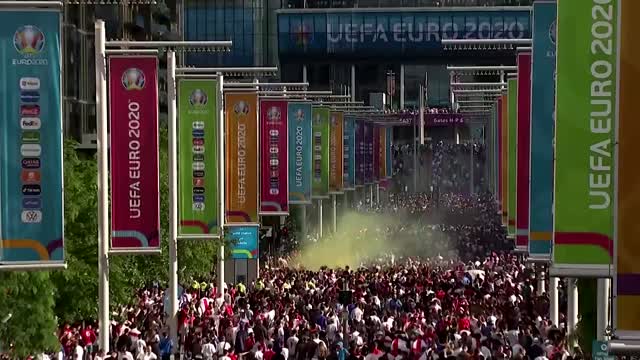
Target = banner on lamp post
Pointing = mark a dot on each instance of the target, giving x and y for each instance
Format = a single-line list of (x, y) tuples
[(274, 190), (133, 115), (542, 121), (336, 155), (389, 152), (523, 148), (300, 152), (31, 172), (361, 153), (369, 158), (382, 153), (504, 150), (349, 158), (512, 119), (585, 129), (241, 144), (321, 133), (198, 150)]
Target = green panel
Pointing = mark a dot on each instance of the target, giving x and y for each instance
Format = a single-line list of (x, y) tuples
[(321, 130)]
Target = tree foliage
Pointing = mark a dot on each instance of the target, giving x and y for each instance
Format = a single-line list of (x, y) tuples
[(37, 299)]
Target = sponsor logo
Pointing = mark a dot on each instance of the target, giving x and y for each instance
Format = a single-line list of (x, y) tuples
[(198, 198), (198, 125), (198, 174), (198, 206), (30, 123), (552, 32), (31, 163), (198, 182), (198, 98), (198, 142), (32, 203), (30, 136), (198, 149), (198, 191), (30, 110), (30, 176), (31, 190), (30, 150), (29, 96), (241, 108), (198, 133), (29, 83), (31, 216), (198, 157), (199, 165), (133, 79), (28, 40)]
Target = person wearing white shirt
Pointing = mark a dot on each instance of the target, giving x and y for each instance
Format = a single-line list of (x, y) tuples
[(79, 352), (125, 355), (292, 343), (356, 314), (208, 350), (259, 355), (285, 353), (147, 354)]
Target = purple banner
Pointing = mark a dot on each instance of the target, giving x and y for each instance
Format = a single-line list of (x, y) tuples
[(133, 109), (274, 190), (361, 151)]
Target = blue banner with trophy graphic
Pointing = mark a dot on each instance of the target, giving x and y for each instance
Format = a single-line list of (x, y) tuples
[(32, 214), (542, 130), (349, 147), (300, 160)]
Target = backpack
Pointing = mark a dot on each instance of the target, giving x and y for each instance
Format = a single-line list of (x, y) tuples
[(323, 351)]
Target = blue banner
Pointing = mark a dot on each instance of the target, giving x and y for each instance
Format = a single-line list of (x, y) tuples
[(300, 160), (31, 220), (363, 32), (245, 239), (542, 129), (389, 152), (349, 177), (361, 152)]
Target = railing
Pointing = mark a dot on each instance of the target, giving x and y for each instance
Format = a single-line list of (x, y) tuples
[(294, 4)]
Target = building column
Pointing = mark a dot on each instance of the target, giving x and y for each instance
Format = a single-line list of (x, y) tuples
[(304, 73), (401, 86), (572, 307), (553, 301), (604, 302)]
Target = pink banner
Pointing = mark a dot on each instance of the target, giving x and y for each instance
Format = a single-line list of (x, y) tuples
[(133, 109), (524, 141), (274, 188)]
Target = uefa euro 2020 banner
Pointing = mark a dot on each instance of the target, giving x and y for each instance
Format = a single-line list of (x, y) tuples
[(369, 158), (198, 157), (336, 156), (31, 221), (321, 130), (523, 132), (512, 118), (382, 153), (241, 167), (300, 148), (133, 110), (389, 152), (585, 136), (361, 152), (274, 184), (349, 179), (376, 153), (542, 118)]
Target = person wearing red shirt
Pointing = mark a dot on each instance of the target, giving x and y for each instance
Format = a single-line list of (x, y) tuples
[(269, 353), (88, 338)]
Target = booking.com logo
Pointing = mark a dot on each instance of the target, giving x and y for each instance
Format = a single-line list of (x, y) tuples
[(28, 40), (133, 79)]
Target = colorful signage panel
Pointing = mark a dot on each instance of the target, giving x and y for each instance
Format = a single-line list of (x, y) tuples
[(376, 152), (626, 294), (382, 153), (389, 152), (133, 110), (349, 178), (585, 137), (361, 154), (321, 133), (542, 122), (336, 155), (31, 174), (198, 154), (241, 144), (512, 118), (245, 239), (369, 146), (504, 158), (300, 149), (523, 145), (274, 161)]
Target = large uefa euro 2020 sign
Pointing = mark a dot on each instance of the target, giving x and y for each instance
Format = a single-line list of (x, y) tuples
[(412, 32)]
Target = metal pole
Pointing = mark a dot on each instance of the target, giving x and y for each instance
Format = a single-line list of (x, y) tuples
[(103, 184), (221, 179), (377, 193), (402, 87), (320, 218), (541, 280), (303, 229), (471, 175), (371, 195), (604, 285), (353, 82), (415, 160), (304, 73), (572, 306), (173, 196), (553, 300), (422, 109), (335, 213)]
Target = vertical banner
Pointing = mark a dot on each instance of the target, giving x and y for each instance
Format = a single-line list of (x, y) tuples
[(626, 294), (31, 174), (241, 145), (245, 239), (542, 119), (321, 130), (336, 155), (504, 160), (376, 153), (300, 158), (361, 154), (522, 160), (349, 178), (368, 140), (133, 116), (512, 119), (274, 161), (389, 152), (585, 137), (382, 152), (198, 150)]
